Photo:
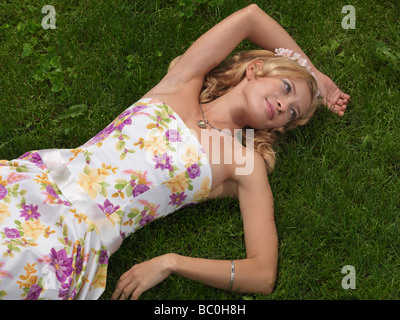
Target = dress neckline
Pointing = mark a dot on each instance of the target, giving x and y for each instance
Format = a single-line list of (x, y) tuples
[(151, 101)]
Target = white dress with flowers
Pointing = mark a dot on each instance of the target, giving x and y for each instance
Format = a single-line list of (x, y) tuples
[(63, 212)]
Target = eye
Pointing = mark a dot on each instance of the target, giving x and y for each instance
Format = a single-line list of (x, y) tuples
[(293, 114), (288, 87)]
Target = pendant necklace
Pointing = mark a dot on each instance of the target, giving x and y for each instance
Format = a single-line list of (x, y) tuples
[(202, 123)]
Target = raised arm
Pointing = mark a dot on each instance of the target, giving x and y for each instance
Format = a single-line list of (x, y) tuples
[(211, 49), (266, 33), (253, 24)]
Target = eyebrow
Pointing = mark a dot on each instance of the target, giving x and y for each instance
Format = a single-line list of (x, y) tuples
[(294, 87), (294, 92)]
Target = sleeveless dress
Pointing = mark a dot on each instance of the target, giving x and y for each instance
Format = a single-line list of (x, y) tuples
[(63, 212)]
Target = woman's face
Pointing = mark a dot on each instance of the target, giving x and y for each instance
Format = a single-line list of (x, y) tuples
[(274, 101)]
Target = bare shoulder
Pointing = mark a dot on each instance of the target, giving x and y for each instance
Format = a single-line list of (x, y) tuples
[(236, 167), (250, 168), (253, 188)]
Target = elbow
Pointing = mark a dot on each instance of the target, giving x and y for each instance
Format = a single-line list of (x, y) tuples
[(268, 287), (264, 273), (253, 8), (267, 283), (252, 14)]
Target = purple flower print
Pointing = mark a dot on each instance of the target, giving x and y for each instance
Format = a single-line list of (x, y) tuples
[(33, 157), (50, 190), (124, 114), (61, 263), (79, 260), (173, 135), (125, 122), (73, 294), (193, 171), (163, 162), (24, 156), (103, 257), (108, 208), (30, 211), (139, 189), (34, 292), (103, 134), (145, 220), (79, 265), (177, 198), (138, 108), (36, 159), (11, 233), (3, 192), (63, 292)]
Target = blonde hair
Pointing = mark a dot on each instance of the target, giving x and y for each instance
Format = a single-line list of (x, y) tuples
[(225, 77)]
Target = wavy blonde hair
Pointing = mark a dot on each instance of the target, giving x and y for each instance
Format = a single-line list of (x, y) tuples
[(225, 77)]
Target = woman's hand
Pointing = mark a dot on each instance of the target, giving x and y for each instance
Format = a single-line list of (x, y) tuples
[(142, 277), (334, 99)]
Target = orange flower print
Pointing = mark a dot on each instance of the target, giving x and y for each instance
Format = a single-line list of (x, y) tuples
[(90, 181), (204, 190), (4, 213), (178, 183)]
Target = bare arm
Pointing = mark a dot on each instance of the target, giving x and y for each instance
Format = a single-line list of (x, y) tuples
[(268, 34), (256, 273), (253, 24), (215, 45)]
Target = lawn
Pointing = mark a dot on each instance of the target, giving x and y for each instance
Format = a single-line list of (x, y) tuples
[(336, 184)]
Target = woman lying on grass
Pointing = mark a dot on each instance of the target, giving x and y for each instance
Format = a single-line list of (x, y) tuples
[(176, 146)]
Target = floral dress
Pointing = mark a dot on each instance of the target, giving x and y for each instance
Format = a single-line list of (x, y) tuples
[(63, 212)]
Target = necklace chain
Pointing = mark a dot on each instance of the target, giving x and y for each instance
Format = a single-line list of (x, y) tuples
[(204, 122)]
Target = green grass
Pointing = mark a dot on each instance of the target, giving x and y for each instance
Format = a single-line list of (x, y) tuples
[(336, 184)]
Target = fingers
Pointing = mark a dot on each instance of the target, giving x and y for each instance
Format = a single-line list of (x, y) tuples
[(140, 278), (345, 96), (338, 108), (130, 291), (127, 287), (125, 291), (340, 113), (337, 103)]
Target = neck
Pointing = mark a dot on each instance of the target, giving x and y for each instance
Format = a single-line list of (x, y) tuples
[(225, 112)]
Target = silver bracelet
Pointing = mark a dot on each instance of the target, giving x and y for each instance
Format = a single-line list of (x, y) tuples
[(232, 275)]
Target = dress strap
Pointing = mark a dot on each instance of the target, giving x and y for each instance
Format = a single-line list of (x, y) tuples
[(62, 176)]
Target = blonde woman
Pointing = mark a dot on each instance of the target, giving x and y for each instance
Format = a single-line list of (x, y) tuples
[(64, 212)]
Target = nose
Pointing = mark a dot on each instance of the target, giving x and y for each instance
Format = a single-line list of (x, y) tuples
[(281, 106)]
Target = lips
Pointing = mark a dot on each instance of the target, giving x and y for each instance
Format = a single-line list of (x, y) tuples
[(270, 110)]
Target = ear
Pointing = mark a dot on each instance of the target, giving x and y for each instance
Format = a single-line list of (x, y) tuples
[(252, 69)]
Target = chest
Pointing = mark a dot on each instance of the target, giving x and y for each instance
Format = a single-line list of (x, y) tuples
[(218, 146)]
